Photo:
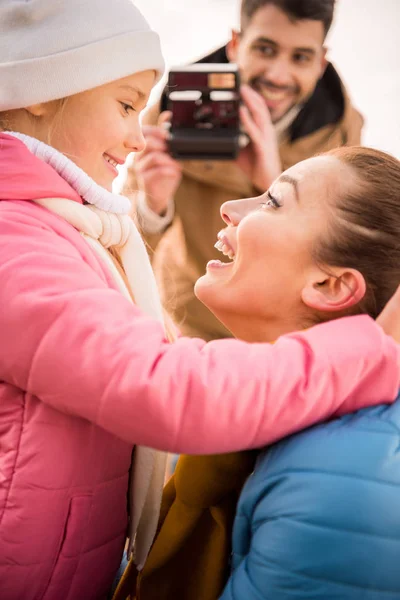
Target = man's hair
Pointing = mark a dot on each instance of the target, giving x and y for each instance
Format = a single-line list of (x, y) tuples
[(296, 10)]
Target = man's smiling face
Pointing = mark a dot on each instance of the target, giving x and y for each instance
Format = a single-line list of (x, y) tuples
[(281, 58)]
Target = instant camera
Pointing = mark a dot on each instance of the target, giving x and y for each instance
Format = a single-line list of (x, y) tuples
[(204, 100)]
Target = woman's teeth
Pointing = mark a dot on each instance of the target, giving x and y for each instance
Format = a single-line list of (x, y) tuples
[(110, 160), (224, 249)]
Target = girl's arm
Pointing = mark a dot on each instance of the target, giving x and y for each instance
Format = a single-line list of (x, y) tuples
[(82, 348)]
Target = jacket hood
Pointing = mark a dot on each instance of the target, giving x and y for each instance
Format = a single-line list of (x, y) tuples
[(23, 176)]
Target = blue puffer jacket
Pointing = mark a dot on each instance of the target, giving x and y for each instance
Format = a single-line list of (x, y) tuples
[(320, 516)]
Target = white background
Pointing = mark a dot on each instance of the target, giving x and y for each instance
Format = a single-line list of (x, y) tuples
[(364, 45)]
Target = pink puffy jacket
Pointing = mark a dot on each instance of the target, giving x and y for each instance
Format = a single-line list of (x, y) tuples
[(84, 376)]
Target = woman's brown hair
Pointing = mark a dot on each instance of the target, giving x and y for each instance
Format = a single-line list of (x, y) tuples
[(365, 225)]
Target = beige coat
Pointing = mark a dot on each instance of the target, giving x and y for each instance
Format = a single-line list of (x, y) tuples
[(181, 254)]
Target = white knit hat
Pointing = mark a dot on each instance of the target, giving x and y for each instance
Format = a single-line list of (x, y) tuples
[(51, 49)]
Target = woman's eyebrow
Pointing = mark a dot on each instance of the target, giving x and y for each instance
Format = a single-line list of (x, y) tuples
[(294, 182)]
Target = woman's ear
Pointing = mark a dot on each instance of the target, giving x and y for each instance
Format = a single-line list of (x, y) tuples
[(232, 46), (338, 291)]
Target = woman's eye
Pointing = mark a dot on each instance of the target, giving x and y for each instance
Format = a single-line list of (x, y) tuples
[(271, 202), (127, 107), (267, 204)]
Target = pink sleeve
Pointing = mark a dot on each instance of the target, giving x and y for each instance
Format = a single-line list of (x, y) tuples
[(82, 348)]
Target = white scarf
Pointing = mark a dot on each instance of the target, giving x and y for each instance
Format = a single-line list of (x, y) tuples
[(105, 223)]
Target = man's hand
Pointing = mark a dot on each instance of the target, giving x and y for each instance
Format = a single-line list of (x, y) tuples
[(389, 319), (260, 159), (157, 173)]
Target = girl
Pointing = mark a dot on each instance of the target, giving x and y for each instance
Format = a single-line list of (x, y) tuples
[(319, 516), (84, 374)]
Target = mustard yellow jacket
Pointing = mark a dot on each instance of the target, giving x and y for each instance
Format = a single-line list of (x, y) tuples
[(189, 559)]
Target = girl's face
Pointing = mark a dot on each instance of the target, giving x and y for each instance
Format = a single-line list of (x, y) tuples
[(263, 292), (97, 129)]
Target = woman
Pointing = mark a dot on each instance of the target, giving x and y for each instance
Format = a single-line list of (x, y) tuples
[(319, 516)]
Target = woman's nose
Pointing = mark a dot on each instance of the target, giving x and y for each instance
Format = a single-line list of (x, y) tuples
[(234, 211)]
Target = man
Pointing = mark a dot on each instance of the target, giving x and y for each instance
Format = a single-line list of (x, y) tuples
[(294, 106)]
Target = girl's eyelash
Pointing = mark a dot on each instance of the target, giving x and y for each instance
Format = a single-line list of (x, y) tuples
[(126, 107)]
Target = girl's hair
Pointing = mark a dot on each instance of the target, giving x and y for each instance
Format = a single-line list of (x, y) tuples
[(4, 121), (364, 231), (7, 118)]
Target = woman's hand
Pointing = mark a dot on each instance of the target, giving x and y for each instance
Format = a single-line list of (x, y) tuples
[(260, 160)]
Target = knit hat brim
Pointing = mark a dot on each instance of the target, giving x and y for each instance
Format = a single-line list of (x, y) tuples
[(28, 82)]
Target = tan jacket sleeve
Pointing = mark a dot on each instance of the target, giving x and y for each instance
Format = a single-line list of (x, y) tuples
[(354, 129)]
